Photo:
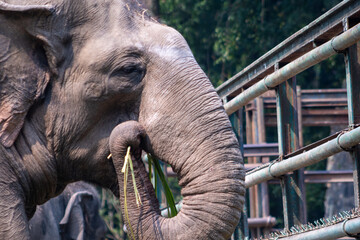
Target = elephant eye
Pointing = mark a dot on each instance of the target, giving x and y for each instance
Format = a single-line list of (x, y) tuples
[(128, 70)]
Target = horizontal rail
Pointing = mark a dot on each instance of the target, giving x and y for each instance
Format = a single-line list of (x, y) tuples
[(316, 117), (309, 59), (320, 176), (310, 95), (265, 222), (342, 229), (329, 176), (248, 167), (261, 150), (314, 98), (320, 30), (274, 169), (338, 176), (320, 107)]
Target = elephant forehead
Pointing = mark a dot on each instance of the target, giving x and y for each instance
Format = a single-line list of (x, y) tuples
[(108, 49), (109, 33), (164, 42), (169, 54), (151, 39)]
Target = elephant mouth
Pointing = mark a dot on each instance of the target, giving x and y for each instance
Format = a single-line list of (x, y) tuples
[(113, 184), (139, 149)]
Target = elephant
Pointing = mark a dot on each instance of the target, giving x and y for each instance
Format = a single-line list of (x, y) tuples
[(83, 80), (74, 214)]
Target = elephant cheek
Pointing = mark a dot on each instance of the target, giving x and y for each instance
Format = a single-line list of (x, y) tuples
[(93, 90)]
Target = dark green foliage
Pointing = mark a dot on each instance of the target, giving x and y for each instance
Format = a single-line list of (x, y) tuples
[(227, 35), (311, 135), (276, 207), (315, 198)]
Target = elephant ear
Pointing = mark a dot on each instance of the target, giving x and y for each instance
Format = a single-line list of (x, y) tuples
[(30, 53), (81, 219)]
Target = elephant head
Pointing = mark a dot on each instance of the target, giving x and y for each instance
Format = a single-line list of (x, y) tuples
[(72, 73)]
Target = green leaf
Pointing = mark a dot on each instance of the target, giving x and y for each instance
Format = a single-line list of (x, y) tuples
[(168, 194)]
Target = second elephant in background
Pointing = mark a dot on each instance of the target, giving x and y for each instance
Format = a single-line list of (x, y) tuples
[(72, 215)]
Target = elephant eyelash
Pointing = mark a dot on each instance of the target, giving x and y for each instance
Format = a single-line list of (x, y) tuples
[(127, 70), (130, 69), (132, 72)]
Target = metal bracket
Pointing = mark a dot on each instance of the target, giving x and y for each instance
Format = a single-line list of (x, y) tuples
[(338, 143), (335, 50), (281, 157), (265, 85), (349, 234), (270, 169), (272, 163)]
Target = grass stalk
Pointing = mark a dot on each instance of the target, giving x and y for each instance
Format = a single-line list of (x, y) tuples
[(153, 162), (128, 164)]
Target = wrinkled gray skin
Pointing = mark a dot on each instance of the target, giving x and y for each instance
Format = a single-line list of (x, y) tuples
[(70, 72), (74, 214)]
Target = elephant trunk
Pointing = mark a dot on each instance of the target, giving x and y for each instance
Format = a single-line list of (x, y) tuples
[(187, 128)]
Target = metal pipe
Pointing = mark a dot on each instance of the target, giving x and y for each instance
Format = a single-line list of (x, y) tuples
[(343, 141), (322, 176), (309, 59), (264, 222), (342, 229)]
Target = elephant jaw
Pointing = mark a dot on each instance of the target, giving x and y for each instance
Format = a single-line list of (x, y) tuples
[(215, 199)]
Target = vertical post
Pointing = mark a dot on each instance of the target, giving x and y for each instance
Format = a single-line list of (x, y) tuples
[(263, 193), (236, 119), (258, 133), (352, 66), (260, 120), (288, 137), (250, 138), (264, 200), (302, 184), (299, 108)]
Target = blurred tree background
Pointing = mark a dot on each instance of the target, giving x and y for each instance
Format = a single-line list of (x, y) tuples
[(227, 35)]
